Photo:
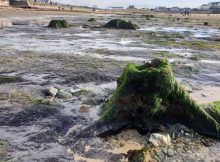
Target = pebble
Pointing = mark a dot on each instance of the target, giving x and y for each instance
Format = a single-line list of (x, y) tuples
[(170, 152), (158, 139), (53, 91)]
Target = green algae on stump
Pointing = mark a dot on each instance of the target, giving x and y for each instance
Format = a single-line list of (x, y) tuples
[(149, 94), (120, 24), (214, 110), (57, 24)]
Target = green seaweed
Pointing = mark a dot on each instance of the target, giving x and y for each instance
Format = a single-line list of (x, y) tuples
[(150, 91), (83, 92), (214, 110), (22, 97), (57, 24)]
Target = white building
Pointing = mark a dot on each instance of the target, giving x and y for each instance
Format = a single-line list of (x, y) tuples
[(214, 5), (116, 8)]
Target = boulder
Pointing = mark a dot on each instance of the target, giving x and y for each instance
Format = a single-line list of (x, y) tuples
[(57, 24), (148, 96), (120, 24), (52, 91), (158, 139)]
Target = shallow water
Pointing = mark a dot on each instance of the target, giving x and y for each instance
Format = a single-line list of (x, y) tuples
[(198, 32)]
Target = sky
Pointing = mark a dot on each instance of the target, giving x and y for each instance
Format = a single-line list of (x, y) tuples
[(137, 3)]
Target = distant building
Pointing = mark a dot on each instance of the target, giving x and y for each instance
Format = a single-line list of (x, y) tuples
[(131, 7), (214, 5), (160, 9), (204, 7), (175, 9), (116, 8), (42, 1)]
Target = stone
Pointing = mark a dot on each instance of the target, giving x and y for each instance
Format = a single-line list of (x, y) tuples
[(158, 139), (92, 19), (170, 152), (64, 95), (52, 91)]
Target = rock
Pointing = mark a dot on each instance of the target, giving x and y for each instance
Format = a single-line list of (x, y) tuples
[(57, 24), (52, 91), (21, 23), (135, 156), (5, 23), (203, 95), (206, 23), (158, 139), (64, 95), (84, 109), (69, 151), (170, 152), (120, 24), (188, 89), (85, 26), (92, 19)]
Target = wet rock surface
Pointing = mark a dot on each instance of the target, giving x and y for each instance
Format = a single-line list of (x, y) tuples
[(85, 62)]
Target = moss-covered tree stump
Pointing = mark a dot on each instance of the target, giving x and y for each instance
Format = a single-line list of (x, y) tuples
[(57, 24), (149, 95), (120, 24)]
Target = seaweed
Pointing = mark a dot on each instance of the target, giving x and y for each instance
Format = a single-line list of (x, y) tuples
[(150, 94)]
